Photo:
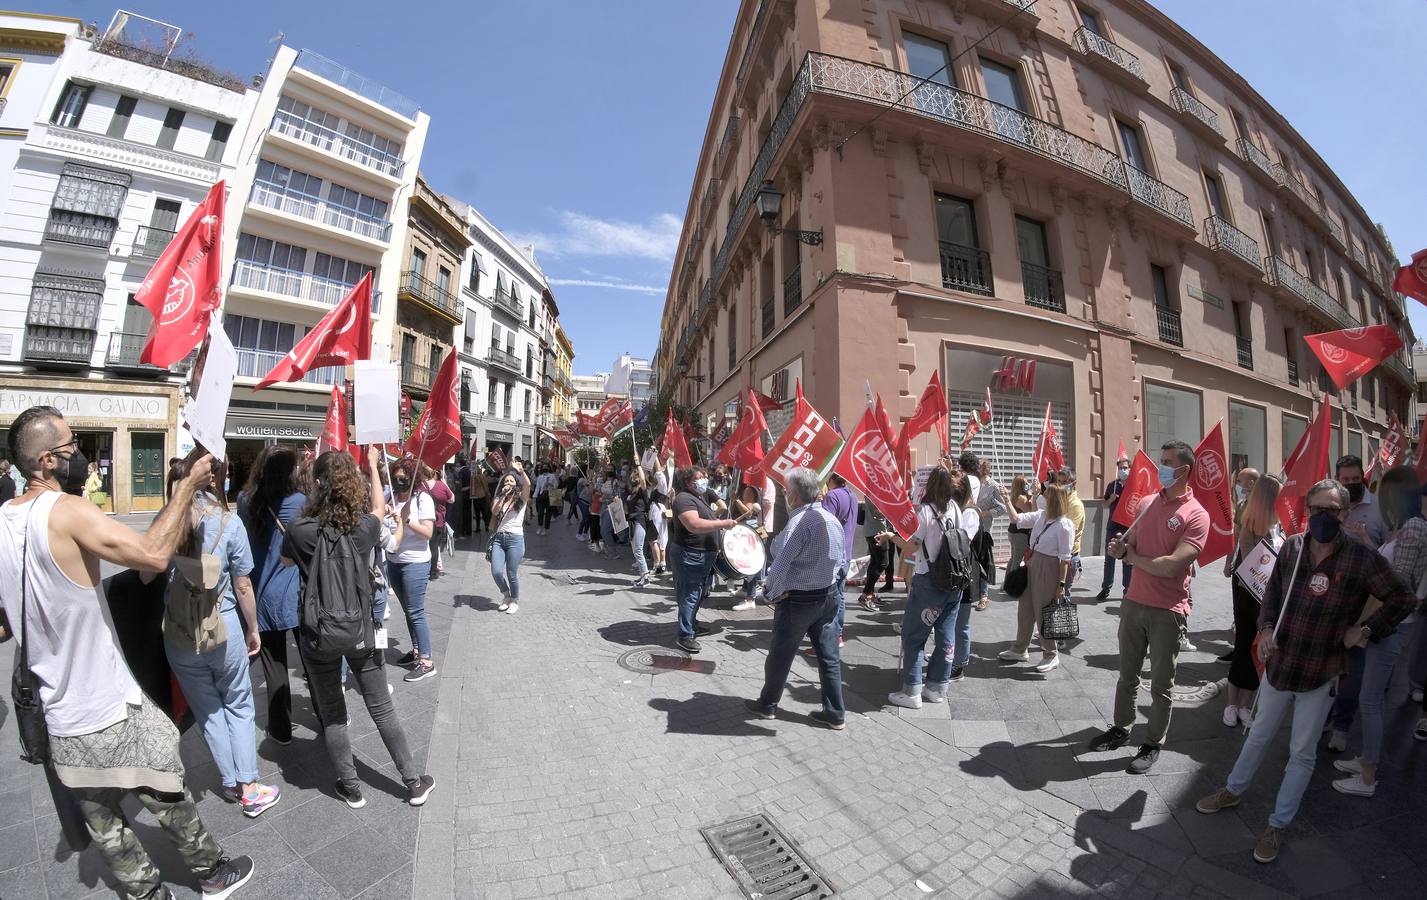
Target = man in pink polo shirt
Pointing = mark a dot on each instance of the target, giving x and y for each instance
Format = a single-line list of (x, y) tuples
[(1162, 546)]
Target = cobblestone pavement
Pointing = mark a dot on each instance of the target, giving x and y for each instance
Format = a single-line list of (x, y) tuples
[(562, 772)]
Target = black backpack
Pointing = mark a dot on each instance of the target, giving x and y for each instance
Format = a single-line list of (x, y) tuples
[(336, 613), (950, 570)]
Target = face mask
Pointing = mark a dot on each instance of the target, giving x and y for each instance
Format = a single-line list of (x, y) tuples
[(73, 472), (1356, 491), (1324, 527), (402, 485), (701, 485), (1167, 474), (1240, 493), (1122, 474)]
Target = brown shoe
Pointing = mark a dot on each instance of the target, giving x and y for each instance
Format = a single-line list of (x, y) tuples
[(1266, 850), (1223, 798)]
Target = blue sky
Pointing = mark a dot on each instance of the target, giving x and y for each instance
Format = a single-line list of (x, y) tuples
[(577, 123)]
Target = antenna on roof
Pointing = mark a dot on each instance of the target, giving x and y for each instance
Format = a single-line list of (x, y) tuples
[(275, 39)]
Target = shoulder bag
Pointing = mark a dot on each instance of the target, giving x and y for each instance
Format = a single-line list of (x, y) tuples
[(1018, 579)]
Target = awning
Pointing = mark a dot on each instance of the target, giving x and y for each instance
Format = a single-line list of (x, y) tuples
[(480, 263)]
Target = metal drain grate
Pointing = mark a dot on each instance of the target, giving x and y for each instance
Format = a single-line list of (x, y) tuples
[(764, 862), (652, 660)]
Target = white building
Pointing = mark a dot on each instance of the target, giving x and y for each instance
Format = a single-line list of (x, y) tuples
[(631, 377), (105, 149), (327, 169)]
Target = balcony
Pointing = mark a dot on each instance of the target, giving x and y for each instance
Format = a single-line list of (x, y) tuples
[(505, 359), (67, 227), (331, 141), (1246, 352), (342, 76), (792, 291), (301, 285), (1281, 275), (1308, 201), (62, 348), (1225, 238), (769, 313), (1158, 195), (150, 242), (1109, 55), (1257, 158), (257, 363), (272, 196), (1359, 259), (966, 269), (1170, 329), (418, 377), (728, 146), (123, 355), (1199, 115), (1292, 371), (1395, 366), (414, 286), (507, 303), (1044, 287)]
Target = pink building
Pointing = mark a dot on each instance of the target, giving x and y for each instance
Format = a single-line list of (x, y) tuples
[(1089, 187)]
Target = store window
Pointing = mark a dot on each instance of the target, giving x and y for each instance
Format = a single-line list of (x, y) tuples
[(1248, 437), (1355, 444), (1293, 428), (1171, 414)]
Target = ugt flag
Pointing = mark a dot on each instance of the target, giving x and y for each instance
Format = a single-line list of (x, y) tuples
[(674, 443), (808, 441), (1142, 484), (931, 412), (1411, 279), (334, 428), (1350, 354), (1307, 465), (1391, 450), (340, 338), (868, 464), (1210, 484), (437, 435), (184, 287)]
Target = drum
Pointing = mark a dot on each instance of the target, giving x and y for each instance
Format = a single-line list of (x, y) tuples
[(740, 553)]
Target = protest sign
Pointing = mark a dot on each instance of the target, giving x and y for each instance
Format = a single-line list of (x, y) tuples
[(376, 391), (208, 409)]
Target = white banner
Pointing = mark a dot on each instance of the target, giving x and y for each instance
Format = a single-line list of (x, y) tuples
[(1257, 567), (617, 520), (207, 410), (376, 390)]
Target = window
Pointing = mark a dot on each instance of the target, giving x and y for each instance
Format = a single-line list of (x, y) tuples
[(443, 281), (289, 181), (335, 268), (1171, 414), (491, 389), (1130, 145), (418, 261), (168, 135), (1315, 271), (1240, 125), (475, 278), (1355, 444), (1248, 437), (1091, 21), (1290, 352), (509, 396), (408, 351), (1163, 299), (123, 112), (376, 141), (956, 221), (1176, 74), (70, 108), (465, 392), (1031, 242), (470, 332), (964, 266), (1270, 235), (62, 319), (529, 362), (1342, 289), (1215, 189), (163, 224), (271, 254), (1003, 85), (929, 59), (7, 73), (248, 333), (1292, 429), (358, 204), (87, 204), (1243, 335), (732, 339), (218, 140), (527, 410)]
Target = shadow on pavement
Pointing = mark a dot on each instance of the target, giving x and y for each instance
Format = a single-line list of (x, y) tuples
[(705, 713)]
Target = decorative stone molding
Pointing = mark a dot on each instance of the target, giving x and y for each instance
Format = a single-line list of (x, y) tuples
[(129, 154)]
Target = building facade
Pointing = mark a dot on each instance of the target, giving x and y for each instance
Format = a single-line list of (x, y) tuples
[(631, 377), (429, 310), (563, 405), (106, 149), (1088, 188)]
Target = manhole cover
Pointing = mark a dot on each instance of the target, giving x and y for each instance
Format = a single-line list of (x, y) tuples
[(764, 862), (1190, 695), (653, 660)]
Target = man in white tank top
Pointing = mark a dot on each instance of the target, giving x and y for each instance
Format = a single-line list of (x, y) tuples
[(106, 738)]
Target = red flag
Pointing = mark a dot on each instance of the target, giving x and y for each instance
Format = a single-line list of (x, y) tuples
[(986, 414), (616, 415), (674, 442), (496, 459), (405, 408), (1420, 464), (334, 429), (867, 463), (1121, 455), (931, 412), (1392, 449), (1307, 466), (437, 435), (1141, 484), (1048, 455), (973, 428), (1411, 279), (184, 286), (808, 441), (1210, 485), (765, 402), (744, 448), (340, 338), (1350, 354)]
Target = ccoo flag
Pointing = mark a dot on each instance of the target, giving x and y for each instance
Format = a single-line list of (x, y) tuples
[(184, 287)]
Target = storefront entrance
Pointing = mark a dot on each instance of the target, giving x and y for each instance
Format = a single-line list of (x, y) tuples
[(98, 447), (147, 470)]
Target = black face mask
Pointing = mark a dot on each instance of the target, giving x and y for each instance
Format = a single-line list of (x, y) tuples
[(1355, 491), (401, 485), (73, 472)]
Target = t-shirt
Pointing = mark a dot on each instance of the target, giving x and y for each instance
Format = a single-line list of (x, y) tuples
[(275, 584), (683, 503), (414, 548), (841, 503), (929, 530), (513, 522), (1077, 518), (442, 496), (1162, 526)]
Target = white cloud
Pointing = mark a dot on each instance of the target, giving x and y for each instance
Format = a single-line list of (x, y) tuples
[(615, 285), (584, 235)]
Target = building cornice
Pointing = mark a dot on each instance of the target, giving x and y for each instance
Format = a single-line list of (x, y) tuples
[(32, 41)]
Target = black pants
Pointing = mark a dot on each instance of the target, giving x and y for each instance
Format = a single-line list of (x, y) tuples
[(366, 667), (881, 558), (438, 539), (273, 657), (1242, 673), (544, 512), (482, 512)]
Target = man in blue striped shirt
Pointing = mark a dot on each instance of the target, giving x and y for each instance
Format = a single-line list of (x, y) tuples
[(808, 563)]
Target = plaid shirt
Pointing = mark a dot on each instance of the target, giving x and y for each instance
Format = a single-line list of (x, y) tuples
[(807, 553), (1325, 600)]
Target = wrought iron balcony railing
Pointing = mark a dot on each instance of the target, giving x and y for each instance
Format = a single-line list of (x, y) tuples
[(1098, 47), (505, 301), (339, 74), (1223, 236), (1170, 329), (966, 269), (504, 358), (1191, 105), (1300, 191), (276, 197), (150, 242), (1155, 193), (1292, 371), (68, 347), (124, 351), (1246, 352), (417, 376), (324, 138), (768, 314), (257, 363), (1251, 153), (1397, 367), (1044, 287), (304, 286), (1281, 274), (420, 288), (792, 291), (79, 228), (728, 145)]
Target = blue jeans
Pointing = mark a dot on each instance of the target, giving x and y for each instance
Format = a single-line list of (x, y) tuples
[(1108, 580), (751, 583), (1310, 709), (408, 580), (929, 611), (220, 692), (1369, 675), (637, 539), (841, 602), (507, 550), (963, 634), (584, 509), (798, 614), (691, 577)]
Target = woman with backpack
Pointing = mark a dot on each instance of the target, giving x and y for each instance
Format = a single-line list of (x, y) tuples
[(507, 546), (409, 568), (946, 522), (331, 544), (1051, 542)]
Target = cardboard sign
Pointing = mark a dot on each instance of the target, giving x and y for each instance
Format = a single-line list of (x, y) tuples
[(1253, 573), (919, 483), (617, 520), (208, 409), (376, 397)]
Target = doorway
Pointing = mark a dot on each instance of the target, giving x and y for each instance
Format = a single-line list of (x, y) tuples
[(98, 448), (147, 469)]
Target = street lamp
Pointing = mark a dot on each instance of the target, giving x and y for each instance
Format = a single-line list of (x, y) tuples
[(684, 373), (770, 203)]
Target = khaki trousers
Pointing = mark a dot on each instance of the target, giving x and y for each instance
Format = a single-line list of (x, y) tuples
[(1042, 583), (1152, 630)]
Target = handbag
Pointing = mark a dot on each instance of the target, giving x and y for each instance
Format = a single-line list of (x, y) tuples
[(1060, 621), (24, 686), (1019, 578)]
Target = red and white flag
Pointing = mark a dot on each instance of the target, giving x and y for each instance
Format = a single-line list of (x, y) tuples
[(1306, 466), (496, 459), (184, 286), (437, 435), (1210, 484), (1411, 279), (808, 441), (340, 338), (334, 428), (1049, 455), (744, 448), (1141, 485), (1420, 463), (867, 463), (1350, 354), (1121, 454), (1392, 449), (986, 413), (973, 428), (615, 418), (931, 412), (674, 442)]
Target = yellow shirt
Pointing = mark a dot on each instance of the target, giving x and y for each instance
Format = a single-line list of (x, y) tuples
[(1077, 518)]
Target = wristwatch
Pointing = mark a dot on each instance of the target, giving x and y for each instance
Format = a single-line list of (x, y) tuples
[(1064, 584), (1366, 632)]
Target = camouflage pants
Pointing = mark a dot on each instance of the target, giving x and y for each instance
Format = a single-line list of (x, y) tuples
[(120, 847)]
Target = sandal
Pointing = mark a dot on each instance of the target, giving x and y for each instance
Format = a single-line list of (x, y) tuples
[(982, 604)]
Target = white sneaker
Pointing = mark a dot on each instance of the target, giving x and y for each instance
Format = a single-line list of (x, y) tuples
[(1354, 787), (1231, 716), (910, 701), (1338, 742), (1417, 695), (504, 603), (1246, 716), (1349, 766), (932, 695), (742, 605), (1047, 664), (1014, 656), (1185, 646), (513, 608)]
